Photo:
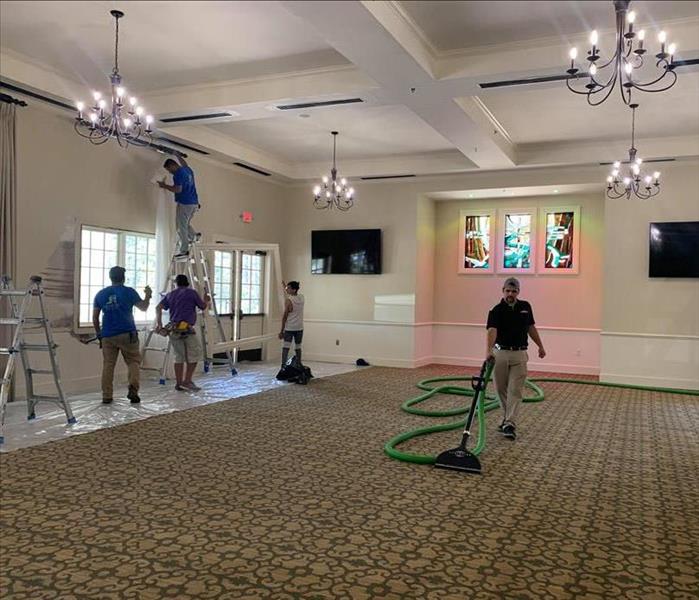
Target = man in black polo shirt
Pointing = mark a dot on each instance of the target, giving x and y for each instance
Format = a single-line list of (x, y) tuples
[(510, 323)]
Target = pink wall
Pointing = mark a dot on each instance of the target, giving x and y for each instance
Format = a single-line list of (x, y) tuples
[(571, 301)]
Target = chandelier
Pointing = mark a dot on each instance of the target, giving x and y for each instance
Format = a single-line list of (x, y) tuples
[(633, 182), (331, 191), (620, 68), (114, 117)]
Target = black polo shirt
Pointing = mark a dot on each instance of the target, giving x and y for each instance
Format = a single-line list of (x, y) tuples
[(512, 323)]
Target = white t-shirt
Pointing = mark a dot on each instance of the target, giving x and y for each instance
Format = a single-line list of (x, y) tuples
[(294, 321)]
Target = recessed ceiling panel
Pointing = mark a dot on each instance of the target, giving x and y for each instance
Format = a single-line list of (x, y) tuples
[(365, 132), (164, 44), (456, 25)]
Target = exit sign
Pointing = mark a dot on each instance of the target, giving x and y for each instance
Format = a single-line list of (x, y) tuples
[(246, 217)]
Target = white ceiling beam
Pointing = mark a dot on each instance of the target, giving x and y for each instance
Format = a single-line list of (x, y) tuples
[(228, 148), (376, 39)]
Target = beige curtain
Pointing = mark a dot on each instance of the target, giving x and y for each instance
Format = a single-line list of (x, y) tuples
[(8, 213), (8, 191)]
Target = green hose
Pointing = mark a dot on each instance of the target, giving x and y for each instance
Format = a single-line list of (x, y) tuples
[(486, 403)]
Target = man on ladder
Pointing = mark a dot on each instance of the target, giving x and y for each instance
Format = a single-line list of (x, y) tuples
[(182, 304), (186, 198)]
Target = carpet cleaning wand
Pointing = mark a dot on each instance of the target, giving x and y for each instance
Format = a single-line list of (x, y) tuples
[(460, 459)]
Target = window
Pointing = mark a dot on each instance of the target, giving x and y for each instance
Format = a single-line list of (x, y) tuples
[(100, 250), (251, 278), (223, 281)]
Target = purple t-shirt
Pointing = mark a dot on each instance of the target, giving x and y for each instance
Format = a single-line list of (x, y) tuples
[(182, 304)]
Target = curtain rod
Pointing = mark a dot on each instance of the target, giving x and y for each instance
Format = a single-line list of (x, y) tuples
[(10, 100)]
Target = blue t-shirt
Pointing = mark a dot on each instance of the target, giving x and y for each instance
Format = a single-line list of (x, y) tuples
[(184, 176), (116, 303)]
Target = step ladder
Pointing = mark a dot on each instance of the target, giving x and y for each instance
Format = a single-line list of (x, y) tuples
[(19, 302), (195, 266)]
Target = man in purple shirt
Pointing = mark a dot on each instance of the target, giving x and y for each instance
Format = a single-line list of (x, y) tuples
[(182, 304)]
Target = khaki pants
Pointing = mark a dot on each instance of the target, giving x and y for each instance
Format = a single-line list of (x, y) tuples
[(127, 343), (509, 374)]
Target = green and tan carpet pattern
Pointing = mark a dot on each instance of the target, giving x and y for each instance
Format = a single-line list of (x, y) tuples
[(287, 495)]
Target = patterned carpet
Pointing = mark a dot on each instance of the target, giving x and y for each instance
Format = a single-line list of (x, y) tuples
[(287, 495)]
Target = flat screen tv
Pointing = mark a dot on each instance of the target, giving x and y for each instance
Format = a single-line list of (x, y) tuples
[(674, 249), (346, 252)]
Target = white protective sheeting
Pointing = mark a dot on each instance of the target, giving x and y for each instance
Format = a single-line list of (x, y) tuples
[(164, 230), (92, 415)]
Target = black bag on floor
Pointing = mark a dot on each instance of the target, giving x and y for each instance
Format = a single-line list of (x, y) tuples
[(295, 372)]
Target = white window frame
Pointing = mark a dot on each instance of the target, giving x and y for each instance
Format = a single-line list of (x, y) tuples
[(261, 285), (140, 317), (218, 287)]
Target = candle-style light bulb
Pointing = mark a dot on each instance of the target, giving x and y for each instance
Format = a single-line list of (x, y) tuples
[(631, 16), (139, 110), (80, 106), (96, 96), (617, 164), (628, 67), (593, 69), (648, 179), (641, 35), (672, 48), (132, 101), (102, 104), (627, 181), (662, 37), (149, 119), (573, 53), (656, 175), (610, 179), (594, 37)]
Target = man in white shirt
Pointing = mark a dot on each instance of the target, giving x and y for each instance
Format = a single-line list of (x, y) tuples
[(292, 321)]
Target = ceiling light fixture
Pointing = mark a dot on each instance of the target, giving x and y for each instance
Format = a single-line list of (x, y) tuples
[(602, 78), (118, 117), (332, 191), (634, 182)]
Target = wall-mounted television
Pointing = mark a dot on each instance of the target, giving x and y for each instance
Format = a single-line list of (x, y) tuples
[(346, 251), (674, 249)]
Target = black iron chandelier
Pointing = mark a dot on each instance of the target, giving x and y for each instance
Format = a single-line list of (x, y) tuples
[(333, 192), (634, 181), (628, 57), (114, 117)]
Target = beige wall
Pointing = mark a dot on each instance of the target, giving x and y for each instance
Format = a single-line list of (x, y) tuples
[(571, 301), (634, 302), (391, 208), (62, 177), (650, 326)]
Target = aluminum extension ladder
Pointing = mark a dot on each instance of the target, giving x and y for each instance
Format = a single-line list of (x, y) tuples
[(195, 266), (19, 319)]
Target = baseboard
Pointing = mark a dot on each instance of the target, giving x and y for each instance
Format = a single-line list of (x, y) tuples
[(531, 366), (661, 382), (423, 362)]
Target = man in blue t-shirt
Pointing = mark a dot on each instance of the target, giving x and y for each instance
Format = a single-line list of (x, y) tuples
[(186, 198), (118, 331)]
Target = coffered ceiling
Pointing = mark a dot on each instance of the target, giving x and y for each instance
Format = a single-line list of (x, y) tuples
[(414, 71)]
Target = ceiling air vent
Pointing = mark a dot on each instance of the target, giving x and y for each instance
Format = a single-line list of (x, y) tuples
[(645, 160), (549, 78), (253, 169), (527, 81), (194, 117), (181, 145), (318, 104), (374, 177)]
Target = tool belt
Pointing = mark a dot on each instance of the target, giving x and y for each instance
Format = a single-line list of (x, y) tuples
[(179, 329)]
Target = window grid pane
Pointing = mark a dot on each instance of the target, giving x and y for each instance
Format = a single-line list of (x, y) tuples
[(100, 250), (223, 289)]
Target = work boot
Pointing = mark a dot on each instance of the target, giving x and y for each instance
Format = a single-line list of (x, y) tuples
[(107, 400), (509, 431), (133, 396)]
